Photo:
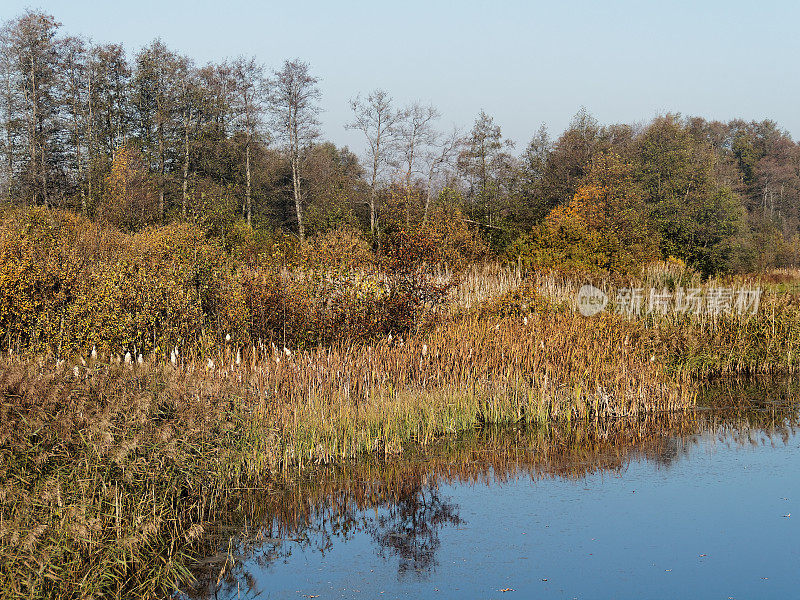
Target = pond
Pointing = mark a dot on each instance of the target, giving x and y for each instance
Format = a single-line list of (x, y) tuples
[(697, 505)]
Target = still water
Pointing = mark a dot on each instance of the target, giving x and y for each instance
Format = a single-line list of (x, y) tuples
[(703, 505)]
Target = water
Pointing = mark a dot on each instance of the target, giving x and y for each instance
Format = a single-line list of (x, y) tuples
[(705, 505)]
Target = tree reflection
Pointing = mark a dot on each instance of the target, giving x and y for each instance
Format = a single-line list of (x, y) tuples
[(410, 528), (399, 504)]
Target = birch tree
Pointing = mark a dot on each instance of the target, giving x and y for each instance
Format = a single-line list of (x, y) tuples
[(377, 120), (75, 72), (156, 99), (249, 90), (293, 103), (415, 134), (31, 46), (440, 158)]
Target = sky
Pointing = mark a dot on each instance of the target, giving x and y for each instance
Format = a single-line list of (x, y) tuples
[(524, 63)]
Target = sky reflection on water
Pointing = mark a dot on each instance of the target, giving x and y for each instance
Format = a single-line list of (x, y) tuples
[(695, 506)]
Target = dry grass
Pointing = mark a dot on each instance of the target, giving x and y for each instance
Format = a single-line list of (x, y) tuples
[(109, 471), (106, 468)]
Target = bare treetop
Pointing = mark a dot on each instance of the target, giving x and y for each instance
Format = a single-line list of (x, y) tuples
[(377, 120), (293, 103)]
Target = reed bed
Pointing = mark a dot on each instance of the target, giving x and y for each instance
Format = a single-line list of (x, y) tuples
[(110, 469), (103, 473), (107, 471), (342, 401)]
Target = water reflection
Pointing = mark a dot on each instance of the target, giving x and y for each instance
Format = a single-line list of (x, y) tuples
[(401, 506)]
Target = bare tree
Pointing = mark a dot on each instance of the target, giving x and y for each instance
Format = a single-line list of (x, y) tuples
[(439, 158), (378, 121), (32, 47), (293, 103), (9, 112), (156, 84), (250, 91), (110, 112), (415, 133), (75, 71), (188, 101)]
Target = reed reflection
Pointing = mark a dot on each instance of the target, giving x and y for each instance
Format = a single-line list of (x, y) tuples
[(399, 503)]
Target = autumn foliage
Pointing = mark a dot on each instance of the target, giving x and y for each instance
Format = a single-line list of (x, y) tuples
[(129, 202), (68, 285), (602, 229)]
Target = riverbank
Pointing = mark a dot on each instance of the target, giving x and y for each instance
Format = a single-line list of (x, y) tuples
[(110, 469)]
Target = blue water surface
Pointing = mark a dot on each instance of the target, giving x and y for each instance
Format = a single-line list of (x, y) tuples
[(716, 516)]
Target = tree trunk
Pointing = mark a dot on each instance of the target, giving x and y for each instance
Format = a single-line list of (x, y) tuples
[(372, 204), (90, 146), (248, 189), (162, 170), (427, 202), (9, 142), (184, 199), (298, 205), (32, 134), (44, 169), (80, 173), (373, 195)]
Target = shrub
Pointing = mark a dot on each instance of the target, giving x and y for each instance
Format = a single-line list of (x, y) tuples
[(67, 285), (129, 202)]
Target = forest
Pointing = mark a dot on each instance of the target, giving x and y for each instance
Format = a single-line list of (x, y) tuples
[(139, 141)]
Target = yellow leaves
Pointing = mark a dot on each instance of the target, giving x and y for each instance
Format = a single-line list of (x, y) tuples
[(66, 285), (130, 200)]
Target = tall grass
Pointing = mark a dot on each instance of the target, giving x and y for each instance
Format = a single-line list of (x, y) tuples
[(108, 470), (103, 473)]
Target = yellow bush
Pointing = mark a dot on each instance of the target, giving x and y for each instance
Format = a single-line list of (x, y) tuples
[(67, 285)]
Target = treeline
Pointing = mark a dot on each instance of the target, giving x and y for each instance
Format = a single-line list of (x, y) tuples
[(153, 138)]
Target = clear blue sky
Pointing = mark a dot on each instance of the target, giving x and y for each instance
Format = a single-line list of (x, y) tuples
[(525, 63)]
